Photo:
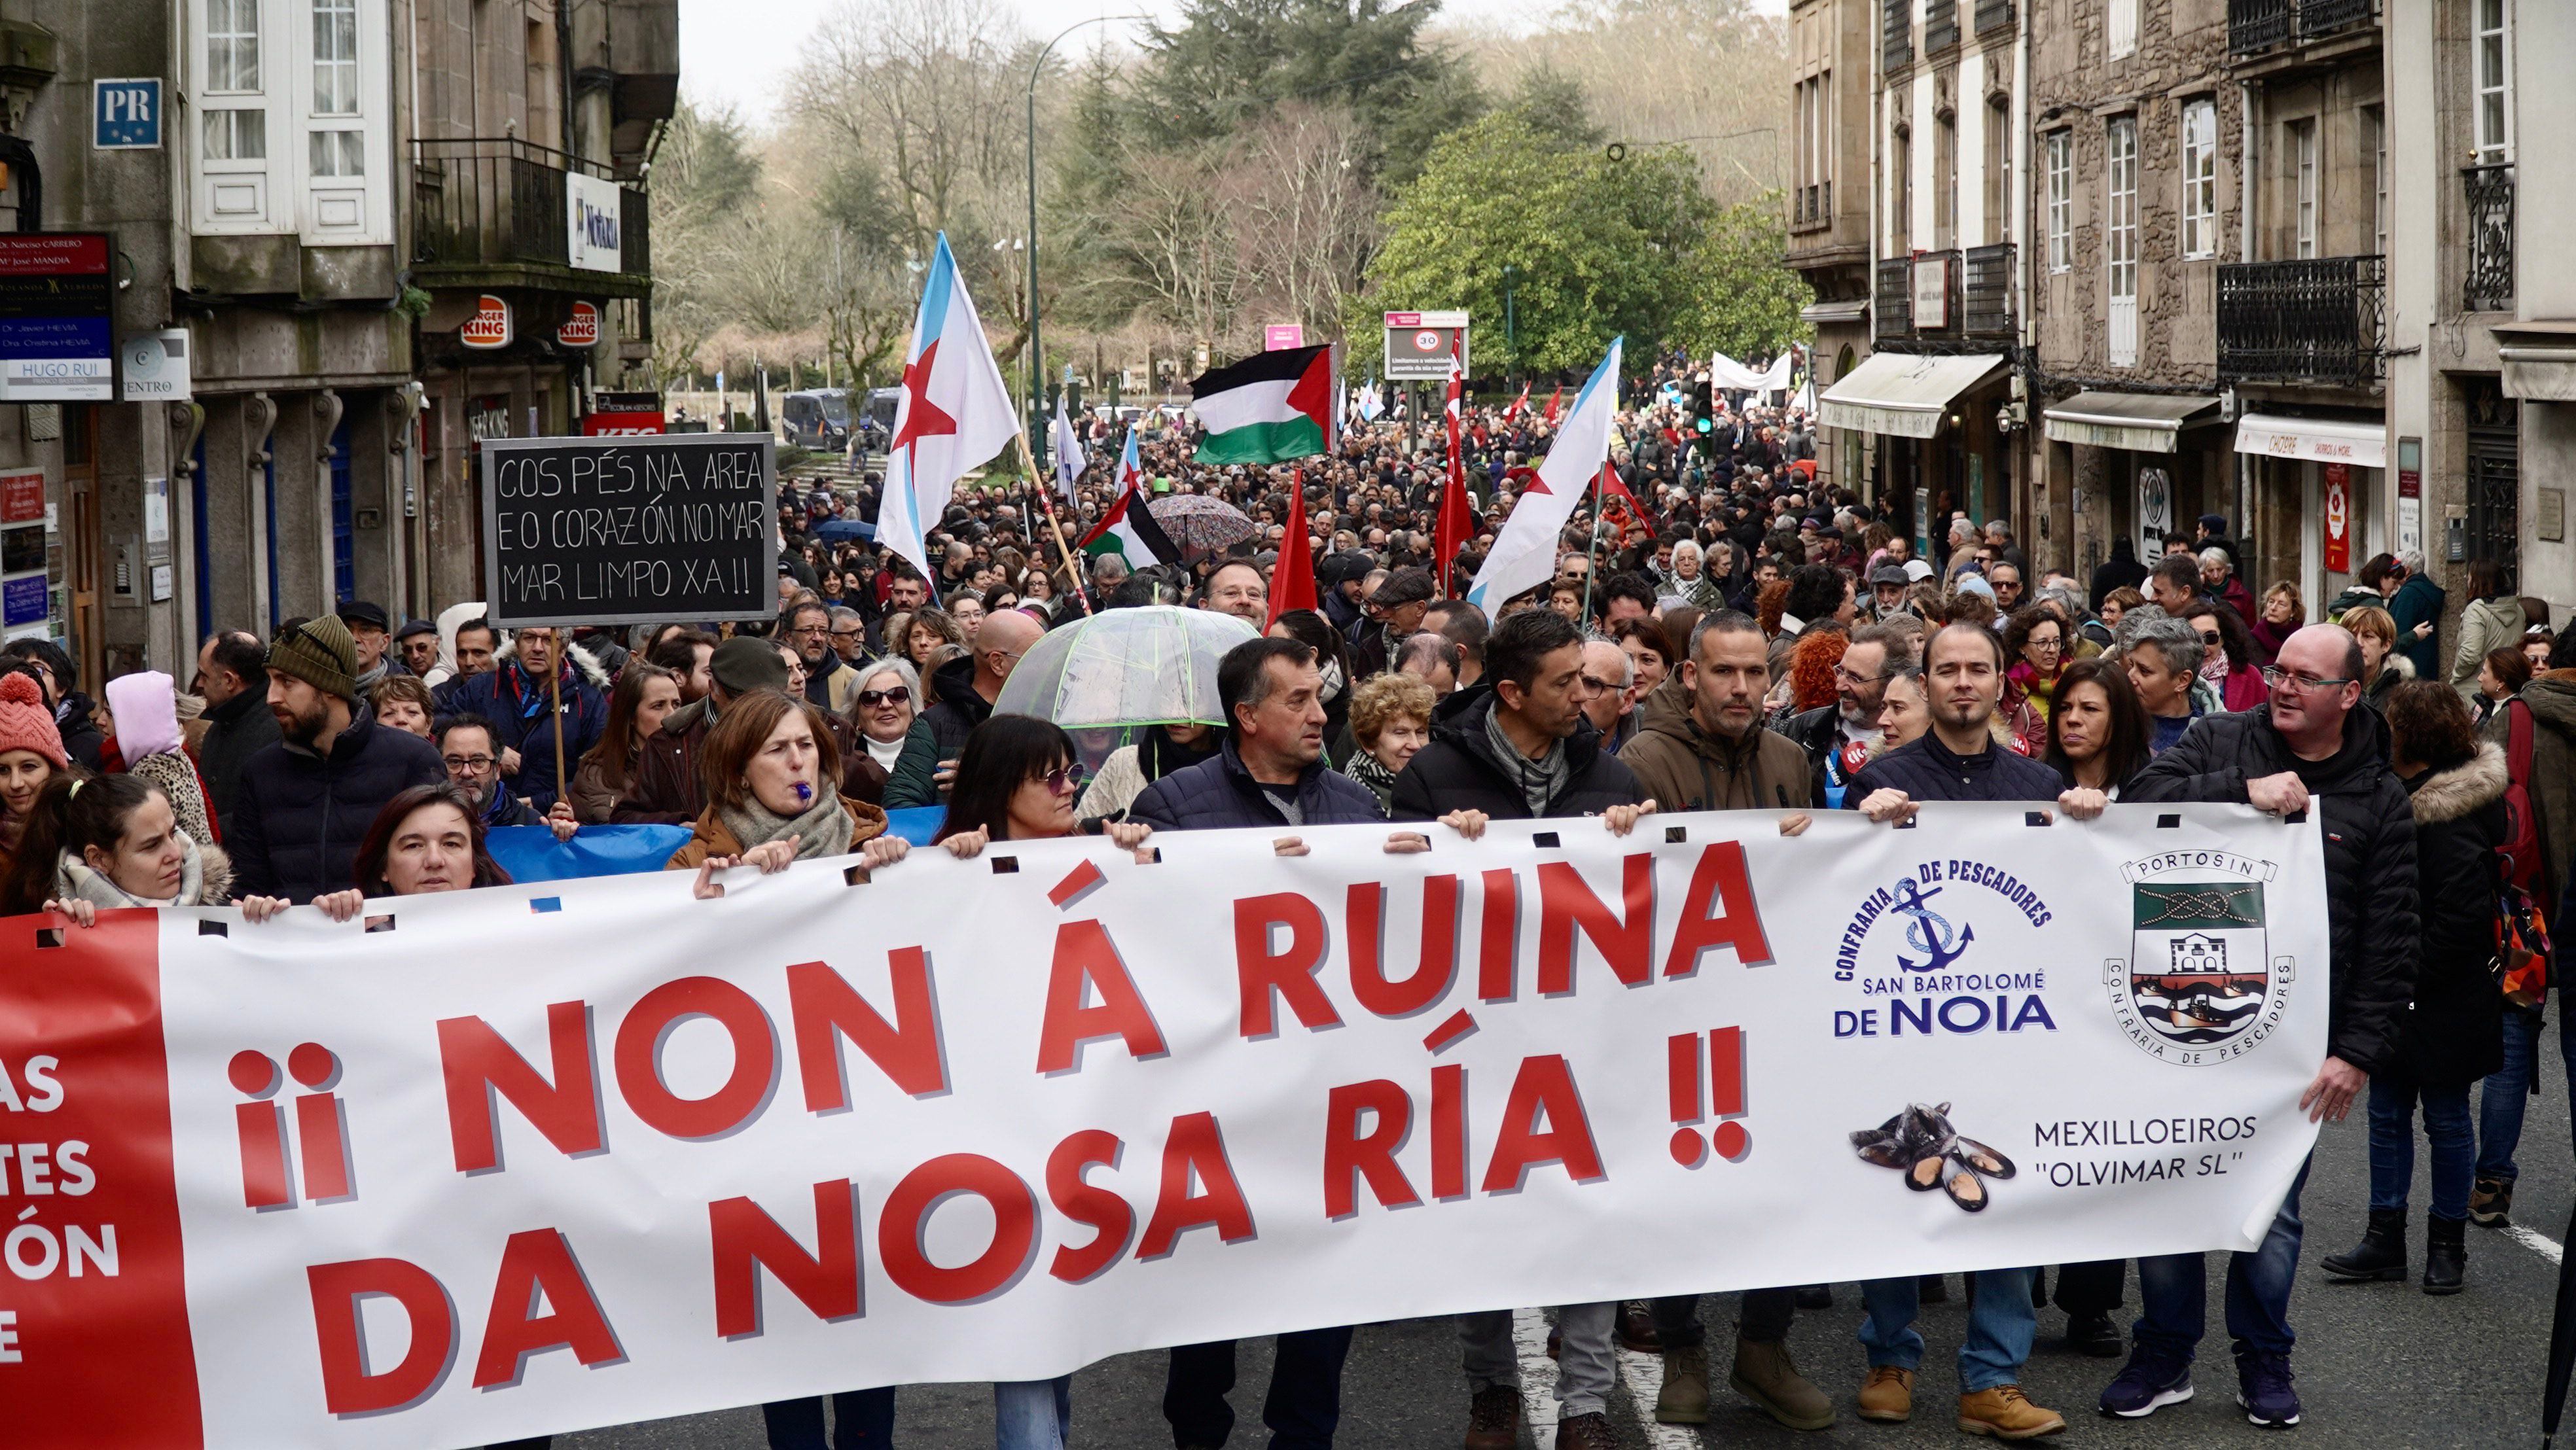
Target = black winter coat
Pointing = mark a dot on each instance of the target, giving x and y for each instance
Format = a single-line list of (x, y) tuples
[(2456, 1034), (959, 709), (520, 712), (1927, 770), (1459, 770), (237, 729), (2371, 891), (83, 741), (300, 817), (1220, 792)]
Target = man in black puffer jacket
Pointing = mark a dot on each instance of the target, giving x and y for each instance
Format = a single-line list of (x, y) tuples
[(1517, 746), (2312, 744), (1270, 773), (306, 801)]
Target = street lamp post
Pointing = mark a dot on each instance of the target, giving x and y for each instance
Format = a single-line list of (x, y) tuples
[(1511, 337), (1037, 352)]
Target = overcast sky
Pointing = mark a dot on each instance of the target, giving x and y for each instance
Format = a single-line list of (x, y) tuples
[(725, 59)]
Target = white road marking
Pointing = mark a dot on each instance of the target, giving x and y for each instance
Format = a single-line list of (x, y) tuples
[(2539, 1243), (1538, 1375)]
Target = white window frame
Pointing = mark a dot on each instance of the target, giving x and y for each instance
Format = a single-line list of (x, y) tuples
[(2303, 188), (2200, 178), (2120, 27), (327, 116), (2120, 236), (2374, 122), (336, 54), (2061, 200), (2491, 80)]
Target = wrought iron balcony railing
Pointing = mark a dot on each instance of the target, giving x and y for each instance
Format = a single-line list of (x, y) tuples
[(500, 201), (2488, 286), (2255, 26), (1993, 15), (2319, 319), (1811, 205), (1986, 291), (1894, 313)]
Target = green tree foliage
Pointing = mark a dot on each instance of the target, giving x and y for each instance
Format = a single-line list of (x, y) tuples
[(1600, 245), (1231, 62)]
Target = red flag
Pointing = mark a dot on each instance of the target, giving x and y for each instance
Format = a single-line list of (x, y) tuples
[(1292, 579), (1512, 414), (1449, 532), (1612, 487), (1552, 400)]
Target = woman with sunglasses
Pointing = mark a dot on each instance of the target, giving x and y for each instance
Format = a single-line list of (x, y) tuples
[(894, 770), (1017, 781)]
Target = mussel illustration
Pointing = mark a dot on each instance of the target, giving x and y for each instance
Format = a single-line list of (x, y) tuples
[(1921, 1144)]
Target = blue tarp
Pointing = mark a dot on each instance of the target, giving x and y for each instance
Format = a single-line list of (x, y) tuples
[(835, 530), (916, 824), (531, 853)]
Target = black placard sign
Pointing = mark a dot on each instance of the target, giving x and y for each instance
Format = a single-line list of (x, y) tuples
[(629, 530)]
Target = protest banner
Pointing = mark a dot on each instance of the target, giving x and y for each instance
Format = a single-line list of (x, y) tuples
[(532, 1159), (629, 530)]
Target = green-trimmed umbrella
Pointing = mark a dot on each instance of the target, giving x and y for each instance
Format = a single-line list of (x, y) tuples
[(1124, 667)]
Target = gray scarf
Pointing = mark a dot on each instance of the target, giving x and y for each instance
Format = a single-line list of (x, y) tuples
[(825, 828), (1540, 780), (74, 880)]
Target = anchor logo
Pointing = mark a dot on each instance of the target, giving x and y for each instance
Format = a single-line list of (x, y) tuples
[(1927, 931)]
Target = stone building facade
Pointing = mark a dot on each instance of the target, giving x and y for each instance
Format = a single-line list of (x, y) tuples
[(1831, 47)]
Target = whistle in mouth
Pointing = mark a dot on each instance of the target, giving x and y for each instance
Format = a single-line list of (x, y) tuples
[(804, 792)]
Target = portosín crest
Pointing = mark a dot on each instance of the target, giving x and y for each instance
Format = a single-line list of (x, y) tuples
[(2200, 984)]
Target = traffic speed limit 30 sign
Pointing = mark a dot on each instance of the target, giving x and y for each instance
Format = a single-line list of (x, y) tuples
[(1417, 343)]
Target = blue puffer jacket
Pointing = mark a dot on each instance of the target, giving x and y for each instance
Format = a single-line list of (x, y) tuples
[(1220, 792), (300, 817), (1927, 770)]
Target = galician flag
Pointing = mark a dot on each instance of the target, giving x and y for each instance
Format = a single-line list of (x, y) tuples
[(1369, 403), (1069, 459), (1524, 554), (1128, 529), (1269, 408), (955, 413)]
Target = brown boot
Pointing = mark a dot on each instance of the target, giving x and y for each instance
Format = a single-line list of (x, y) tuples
[(1585, 1432), (1887, 1395), (2007, 1414), (1494, 1419), (1636, 1328), (1684, 1398), (1765, 1375)]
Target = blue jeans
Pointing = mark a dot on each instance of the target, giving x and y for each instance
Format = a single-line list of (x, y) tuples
[(2174, 1289), (1032, 1414), (2508, 1091), (1304, 1405), (2393, 1097), (862, 1420), (2001, 1325)]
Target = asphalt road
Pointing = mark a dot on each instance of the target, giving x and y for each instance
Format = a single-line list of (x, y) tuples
[(2378, 1365)]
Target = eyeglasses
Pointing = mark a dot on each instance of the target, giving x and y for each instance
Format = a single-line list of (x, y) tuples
[(2047, 644), (847, 633), (899, 695), (2212, 638), (1849, 678), (476, 763), (1067, 778), (2282, 679)]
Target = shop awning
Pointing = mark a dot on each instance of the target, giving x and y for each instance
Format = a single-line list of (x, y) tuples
[(2319, 440), (2142, 422), (1904, 394)]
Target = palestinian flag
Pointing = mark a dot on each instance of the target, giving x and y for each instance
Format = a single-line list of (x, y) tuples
[(1268, 408), (1128, 529)]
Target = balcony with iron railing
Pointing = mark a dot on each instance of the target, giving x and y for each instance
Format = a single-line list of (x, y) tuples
[(1895, 34), (1993, 15), (2314, 320), (2257, 26), (1986, 291), (2488, 285), (495, 211), (1940, 26)]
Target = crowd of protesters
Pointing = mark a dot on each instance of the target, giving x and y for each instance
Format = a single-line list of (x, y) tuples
[(1729, 635)]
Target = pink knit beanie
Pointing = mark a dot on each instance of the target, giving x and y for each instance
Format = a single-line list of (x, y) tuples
[(25, 723)]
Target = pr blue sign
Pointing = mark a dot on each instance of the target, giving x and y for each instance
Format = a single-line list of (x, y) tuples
[(125, 115)]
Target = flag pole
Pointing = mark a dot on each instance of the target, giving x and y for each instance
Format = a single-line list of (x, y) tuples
[(1046, 500), (1592, 553)]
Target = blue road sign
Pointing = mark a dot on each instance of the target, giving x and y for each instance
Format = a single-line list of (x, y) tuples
[(126, 114)]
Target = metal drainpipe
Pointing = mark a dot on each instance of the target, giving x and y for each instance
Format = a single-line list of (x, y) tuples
[(2253, 153)]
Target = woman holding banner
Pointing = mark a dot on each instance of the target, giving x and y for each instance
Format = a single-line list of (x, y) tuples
[(94, 843)]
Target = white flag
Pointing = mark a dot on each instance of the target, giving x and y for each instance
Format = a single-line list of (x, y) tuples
[(1069, 459), (1524, 553)]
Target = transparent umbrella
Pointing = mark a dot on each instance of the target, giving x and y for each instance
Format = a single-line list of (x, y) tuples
[(1125, 667)]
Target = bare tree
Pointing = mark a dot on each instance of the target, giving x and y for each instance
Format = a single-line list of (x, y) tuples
[(1303, 213)]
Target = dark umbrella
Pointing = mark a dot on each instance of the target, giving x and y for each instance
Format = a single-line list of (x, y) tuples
[(2562, 1346), (1199, 523)]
